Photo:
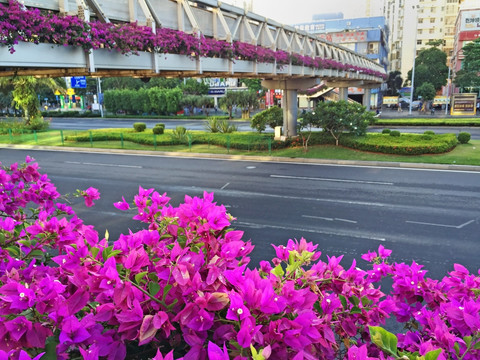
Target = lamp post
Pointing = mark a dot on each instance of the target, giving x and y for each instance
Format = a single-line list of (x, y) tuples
[(448, 89), (415, 7)]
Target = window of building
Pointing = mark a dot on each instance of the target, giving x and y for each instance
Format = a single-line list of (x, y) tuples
[(419, 42), (420, 31), (420, 21), (431, 31), (433, 9), (432, 20)]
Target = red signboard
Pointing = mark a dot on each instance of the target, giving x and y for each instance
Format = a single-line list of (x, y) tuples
[(468, 35)]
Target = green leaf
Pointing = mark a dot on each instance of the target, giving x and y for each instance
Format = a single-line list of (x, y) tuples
[(166, 290), (384, 340), (255, 354), (354, 300), (94, 251), (477, 346), (343, 300), (153, 288), (457, 349), (140, 276), (13, 251), (278, 271), (152, 276), (51, 348), (433, 355), (468, 340)]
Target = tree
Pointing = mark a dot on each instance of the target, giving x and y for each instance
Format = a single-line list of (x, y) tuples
[(337, 117), (244, 99), (194, 87), (253, 84), (272, 117), (118, 83), (426, 91), (469, 76), (24, 93), (430, 67), (394, 83)]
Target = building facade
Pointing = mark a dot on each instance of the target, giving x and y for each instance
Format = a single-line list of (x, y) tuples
[(467, 29)]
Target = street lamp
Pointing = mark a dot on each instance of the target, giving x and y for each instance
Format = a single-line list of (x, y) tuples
[(415, 7)]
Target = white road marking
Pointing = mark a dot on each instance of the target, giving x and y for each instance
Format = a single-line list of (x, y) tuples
[(224, 186), (333, 180), (100, 164), (251, 167), (329, 219), (441, 225), (344, 234)]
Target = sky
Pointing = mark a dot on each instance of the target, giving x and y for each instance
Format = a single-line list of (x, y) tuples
[(297, 11)]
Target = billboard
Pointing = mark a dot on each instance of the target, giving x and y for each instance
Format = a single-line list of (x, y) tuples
[(390, 100), (463, 104), (470, 20)]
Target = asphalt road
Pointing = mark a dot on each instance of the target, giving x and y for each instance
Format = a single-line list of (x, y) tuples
[(99, 123), (427, 215)]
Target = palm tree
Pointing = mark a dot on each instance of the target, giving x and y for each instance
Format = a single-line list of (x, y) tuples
[(24, 94)]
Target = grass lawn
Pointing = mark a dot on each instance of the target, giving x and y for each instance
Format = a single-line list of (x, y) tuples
[(463, 154)]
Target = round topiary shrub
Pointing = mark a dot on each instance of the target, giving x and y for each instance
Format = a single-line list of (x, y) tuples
[(386, 131), (160, 125), (158, 130), (139, 126), (429, 132), (463, 137), (395, 133)]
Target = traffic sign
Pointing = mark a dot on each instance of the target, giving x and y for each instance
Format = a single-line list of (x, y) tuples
[(79, 82), (70, 91)]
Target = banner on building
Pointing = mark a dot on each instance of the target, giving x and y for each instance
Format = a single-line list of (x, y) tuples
[(470, 20), (390, 100), (463, 104), (440, 100)]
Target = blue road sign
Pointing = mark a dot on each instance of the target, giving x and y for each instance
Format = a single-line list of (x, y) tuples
[(79, 82)]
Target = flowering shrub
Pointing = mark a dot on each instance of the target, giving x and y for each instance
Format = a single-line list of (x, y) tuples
[(18, 23), (181, 288)]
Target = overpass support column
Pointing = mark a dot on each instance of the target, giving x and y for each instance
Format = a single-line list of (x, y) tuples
[(289, 101), (367, 96), (343, 93), (289, 105)]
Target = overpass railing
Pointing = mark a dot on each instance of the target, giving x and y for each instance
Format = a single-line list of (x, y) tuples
[(197, 30)]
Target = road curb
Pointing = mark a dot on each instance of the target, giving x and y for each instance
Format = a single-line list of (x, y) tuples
[(248, 158)]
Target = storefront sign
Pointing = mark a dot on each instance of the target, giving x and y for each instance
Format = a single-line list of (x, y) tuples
[(463, 104), (390, 100)]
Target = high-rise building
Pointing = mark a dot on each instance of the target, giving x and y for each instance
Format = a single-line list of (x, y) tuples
[(467, 29), (414, 24)]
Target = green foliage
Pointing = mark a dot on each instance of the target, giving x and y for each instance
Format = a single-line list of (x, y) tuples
[(139, 126), (253, 84), (467, 77), (395, 133), (339, 117), (426, 91), (162, 125), (38, 124), (194, 87), (429, 132), (243, 99), (386, 131), (394, 83), (158, 130), (463, 137), (430, 67), (216, 125), (180, 135), (407, 144), (272, 117), (159, 100)]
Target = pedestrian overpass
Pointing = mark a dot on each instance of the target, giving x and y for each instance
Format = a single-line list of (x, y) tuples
[(203, 18)]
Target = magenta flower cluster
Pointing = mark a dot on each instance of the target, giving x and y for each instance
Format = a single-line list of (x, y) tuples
[(18, 23), (181, 288)]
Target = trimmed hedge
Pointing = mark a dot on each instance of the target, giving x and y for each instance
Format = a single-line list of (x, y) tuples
[(407, 144), (464, 137)]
